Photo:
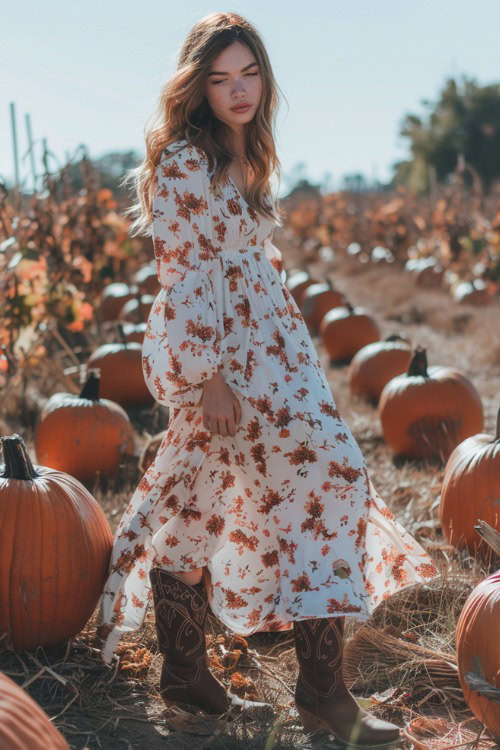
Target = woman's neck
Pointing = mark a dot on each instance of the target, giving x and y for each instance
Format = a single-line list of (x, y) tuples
[(238, 144)]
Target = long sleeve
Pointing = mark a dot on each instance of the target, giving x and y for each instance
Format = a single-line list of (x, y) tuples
[(182, 341)]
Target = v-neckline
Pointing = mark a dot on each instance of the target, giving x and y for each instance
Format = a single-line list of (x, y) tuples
[(230, 179), (236, 188)]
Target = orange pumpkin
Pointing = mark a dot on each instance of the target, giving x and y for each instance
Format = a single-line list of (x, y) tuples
[(472, 293), (427, 412), (134, 332), (23, 724), (137, 310), (112, 299), (297, 283), (478, 652), (150, 450), (147, 280), (122, 379), (317, 300), (83, 435), (346, 330), (428, 272), (471, 490), (56, 544), (375, 364)]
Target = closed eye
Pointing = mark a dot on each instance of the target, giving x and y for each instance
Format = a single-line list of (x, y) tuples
[(223, 79)]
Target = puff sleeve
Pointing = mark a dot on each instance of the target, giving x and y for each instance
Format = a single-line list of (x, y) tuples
[(181, 345)]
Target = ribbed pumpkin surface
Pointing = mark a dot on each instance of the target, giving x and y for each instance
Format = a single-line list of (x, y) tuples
[(429, 410), (375, 364), (56, 543), (471, 490), (83, 435), (478, 649), (23, 724)]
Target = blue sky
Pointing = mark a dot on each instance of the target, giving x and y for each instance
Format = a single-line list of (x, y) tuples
[(90, 72)]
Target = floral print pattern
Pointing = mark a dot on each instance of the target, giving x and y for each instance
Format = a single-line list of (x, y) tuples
[(283, 515)]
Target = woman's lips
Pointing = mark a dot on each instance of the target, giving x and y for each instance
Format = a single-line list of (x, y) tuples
[(243, 108)]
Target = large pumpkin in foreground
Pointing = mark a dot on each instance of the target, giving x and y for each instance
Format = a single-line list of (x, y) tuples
[(54, 556), (478, 652), (427, 412), (471, 491), (23, 724)]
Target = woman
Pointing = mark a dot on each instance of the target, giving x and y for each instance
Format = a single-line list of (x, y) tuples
[(258, 502)]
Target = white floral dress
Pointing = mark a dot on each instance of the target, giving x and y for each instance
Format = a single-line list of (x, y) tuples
[(284, 515)]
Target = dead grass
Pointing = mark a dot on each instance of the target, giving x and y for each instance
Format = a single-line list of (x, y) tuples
[(404, 657)]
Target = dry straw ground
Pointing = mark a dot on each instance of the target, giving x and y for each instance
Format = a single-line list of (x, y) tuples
[(404, 657)]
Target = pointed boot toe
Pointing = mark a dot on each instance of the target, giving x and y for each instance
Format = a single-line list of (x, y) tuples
[(322, 698)]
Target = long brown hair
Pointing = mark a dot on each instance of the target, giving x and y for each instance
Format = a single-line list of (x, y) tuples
[(183, 112)]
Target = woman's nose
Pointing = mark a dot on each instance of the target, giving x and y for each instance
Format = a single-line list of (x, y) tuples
[(238, 88)]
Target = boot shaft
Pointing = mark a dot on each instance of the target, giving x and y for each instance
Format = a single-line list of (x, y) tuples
[(319, 646), (180, 615)]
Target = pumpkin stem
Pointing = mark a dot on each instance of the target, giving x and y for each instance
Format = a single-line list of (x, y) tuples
[(121, 332), (137, 312), (90, 390), (418, 363), (17, 461), (396, 337)]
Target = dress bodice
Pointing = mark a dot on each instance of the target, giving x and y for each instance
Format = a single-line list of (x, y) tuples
[(237, 226)]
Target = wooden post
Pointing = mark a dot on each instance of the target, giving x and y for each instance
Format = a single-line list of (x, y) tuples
[(14, 147), (27, 120)]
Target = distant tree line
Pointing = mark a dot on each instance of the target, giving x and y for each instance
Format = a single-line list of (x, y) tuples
[(461, 129)]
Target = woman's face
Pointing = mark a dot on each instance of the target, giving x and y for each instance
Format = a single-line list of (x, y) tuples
[(234, 78)]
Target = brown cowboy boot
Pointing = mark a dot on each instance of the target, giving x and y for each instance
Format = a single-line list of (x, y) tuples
[(186, 680), (321, 696)]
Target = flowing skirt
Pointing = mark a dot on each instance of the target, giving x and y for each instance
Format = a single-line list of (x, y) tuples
[(283, 516)]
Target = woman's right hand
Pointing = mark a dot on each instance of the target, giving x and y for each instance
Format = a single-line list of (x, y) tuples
[(221, 408)]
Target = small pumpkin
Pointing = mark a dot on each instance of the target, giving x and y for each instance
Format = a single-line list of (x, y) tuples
[(112, 299), (317, 300), (375, 364), (297, 283), (430, 277), (478, 652), (471, 490), (381, 254), (136, 310), (147, 280), (429, 273), (472, 293), (150, 450), (345, 330), (122, 379), (54, 557), (134, 332), (83, 435), (23, 723), (428, 411)]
